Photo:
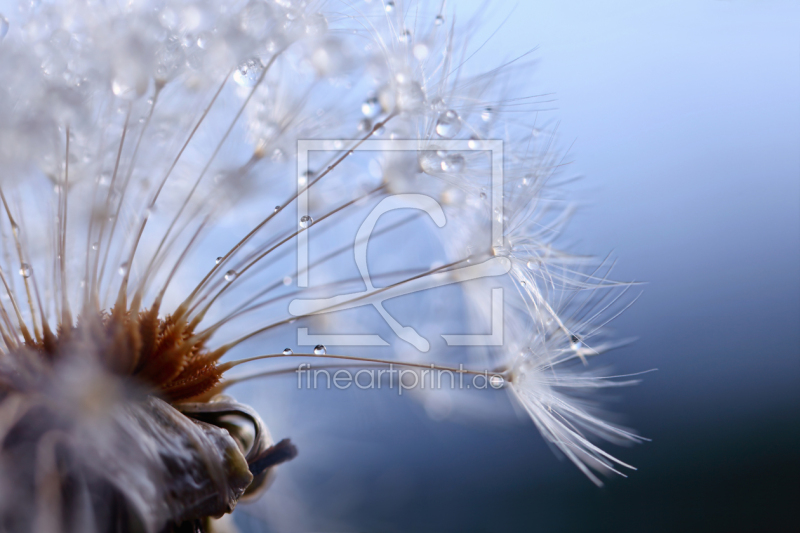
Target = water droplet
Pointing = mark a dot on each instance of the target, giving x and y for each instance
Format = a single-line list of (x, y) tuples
[(3, 27), (405, 36), (371, 107), (453, 163), (532, 264), (248, 72), (364, 125), (230, 275), (389, 7), (123, 269), (420, 51), (25, 270), (277, 208), (287, 351), (487, 114), (497, 382), (523, 282), (439, 20), (430, 161), (306, 221), (448, 124), (203, 40), (437, 104), (483, 195), (575, 342), (319, 349), (218, 260), (129, 85), (95, 246)]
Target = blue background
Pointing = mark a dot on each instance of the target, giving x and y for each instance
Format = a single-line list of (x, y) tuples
[(685, 117)]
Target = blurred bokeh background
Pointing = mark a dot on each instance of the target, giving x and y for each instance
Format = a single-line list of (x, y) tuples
[(683, 119)]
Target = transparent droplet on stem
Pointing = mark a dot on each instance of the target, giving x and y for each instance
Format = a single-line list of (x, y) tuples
[(287, 351), (439, 20), (306, 221), (203, 39), (430, 161), (448, 124), (575, 342), (364, 125), (123, 269), (389, 7), (453, 163), (95, 246), (487, 114), (532, 264), (277, 208), (371, 107), (437, 104), (248, 72), (319, 349), (25, 270), (129, 85), (218, 260), (230, 275)]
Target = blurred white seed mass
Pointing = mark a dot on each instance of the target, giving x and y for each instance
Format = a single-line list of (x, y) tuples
[(156, 209)]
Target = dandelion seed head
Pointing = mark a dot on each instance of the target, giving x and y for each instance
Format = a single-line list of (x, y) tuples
[(152, 203)]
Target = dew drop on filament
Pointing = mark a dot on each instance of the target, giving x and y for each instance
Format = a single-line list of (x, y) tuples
[(575, 342), (319, 349), (453, 163), (248, 72), (439, 20), (364, 125), (230, 275), (287, 351), (306, 221), (448, 124), (487, 114), (389, 7), (371, 107), (217, 260), (25, 270)]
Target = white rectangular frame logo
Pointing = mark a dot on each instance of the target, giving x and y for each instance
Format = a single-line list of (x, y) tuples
[(495, 147)]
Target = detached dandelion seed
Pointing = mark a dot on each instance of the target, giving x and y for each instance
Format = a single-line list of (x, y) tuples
[(153, 200)]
